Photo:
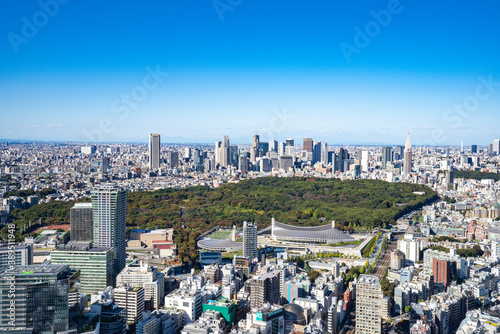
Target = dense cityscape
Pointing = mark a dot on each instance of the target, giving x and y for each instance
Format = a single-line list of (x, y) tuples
[(434, 270), (249, 167)]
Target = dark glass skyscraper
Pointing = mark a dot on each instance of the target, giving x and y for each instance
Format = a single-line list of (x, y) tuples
[(386, 155), (35, 298), (154, 151), (81, 222)]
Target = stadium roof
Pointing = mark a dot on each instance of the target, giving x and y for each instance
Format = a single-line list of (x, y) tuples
[(324, 233), (220, 245)]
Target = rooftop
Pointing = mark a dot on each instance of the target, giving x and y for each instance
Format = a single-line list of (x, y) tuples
[(34, 269), (368, 279), (324, 232)]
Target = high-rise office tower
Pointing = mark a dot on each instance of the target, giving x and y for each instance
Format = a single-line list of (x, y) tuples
[(217, 150), (449, 176), (243, 164), (289, 142), (105, 164), (473, 149), (173, 159), (475, 161), (359, 154), (369, 300), (81, 222), (224, 152), (285, 162), (401, 151), (234, 154), (316, 152), (263, 149), (281, 148), (273, 146), (343, 156), (496, 147), (386, 155), (154, 151), (364, 160), (324, 152), (407, 158), (187, 153), (250, 240), (254, 151), (39, 302), (307, 144), (197, 157), (333, 159), (109, 210)]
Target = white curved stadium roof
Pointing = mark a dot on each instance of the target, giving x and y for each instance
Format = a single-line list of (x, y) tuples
[(324, 233)]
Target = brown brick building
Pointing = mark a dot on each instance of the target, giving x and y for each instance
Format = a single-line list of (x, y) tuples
[(441, 269)]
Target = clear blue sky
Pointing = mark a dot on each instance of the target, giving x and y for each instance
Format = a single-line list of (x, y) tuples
[(233, 68)]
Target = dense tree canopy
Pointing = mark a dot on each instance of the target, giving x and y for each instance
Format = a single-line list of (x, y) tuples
[(353, 204), (467, 174)]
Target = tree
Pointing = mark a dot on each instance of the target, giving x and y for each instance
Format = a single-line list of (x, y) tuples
[(313, 274), (407, 309)]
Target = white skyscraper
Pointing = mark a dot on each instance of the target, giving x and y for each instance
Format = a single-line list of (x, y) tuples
[(224, 152), (324, 152), (408, 157), (364, 161), (109, 211), (496, 147), (281, 148), (154, 151), (218, 146)]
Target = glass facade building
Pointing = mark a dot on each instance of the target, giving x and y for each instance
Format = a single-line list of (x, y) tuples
[(109, 209), (35, 297), (95, 265), (81, 222)]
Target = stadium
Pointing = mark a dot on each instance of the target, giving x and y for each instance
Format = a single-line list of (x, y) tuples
[(324, 234), (216, 244)]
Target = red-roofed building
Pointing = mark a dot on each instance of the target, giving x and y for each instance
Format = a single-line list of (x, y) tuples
[(165, 250)]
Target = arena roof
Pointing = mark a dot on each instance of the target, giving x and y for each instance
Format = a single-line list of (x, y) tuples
[(324, 233), (224, 245)]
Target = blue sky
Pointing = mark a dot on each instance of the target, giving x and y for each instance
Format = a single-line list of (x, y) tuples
[(240, 67)]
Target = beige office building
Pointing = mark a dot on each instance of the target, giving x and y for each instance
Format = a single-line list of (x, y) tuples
[(370, 304)]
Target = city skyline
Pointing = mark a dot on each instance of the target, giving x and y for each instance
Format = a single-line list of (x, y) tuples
[(242, 167), (289, 76)]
